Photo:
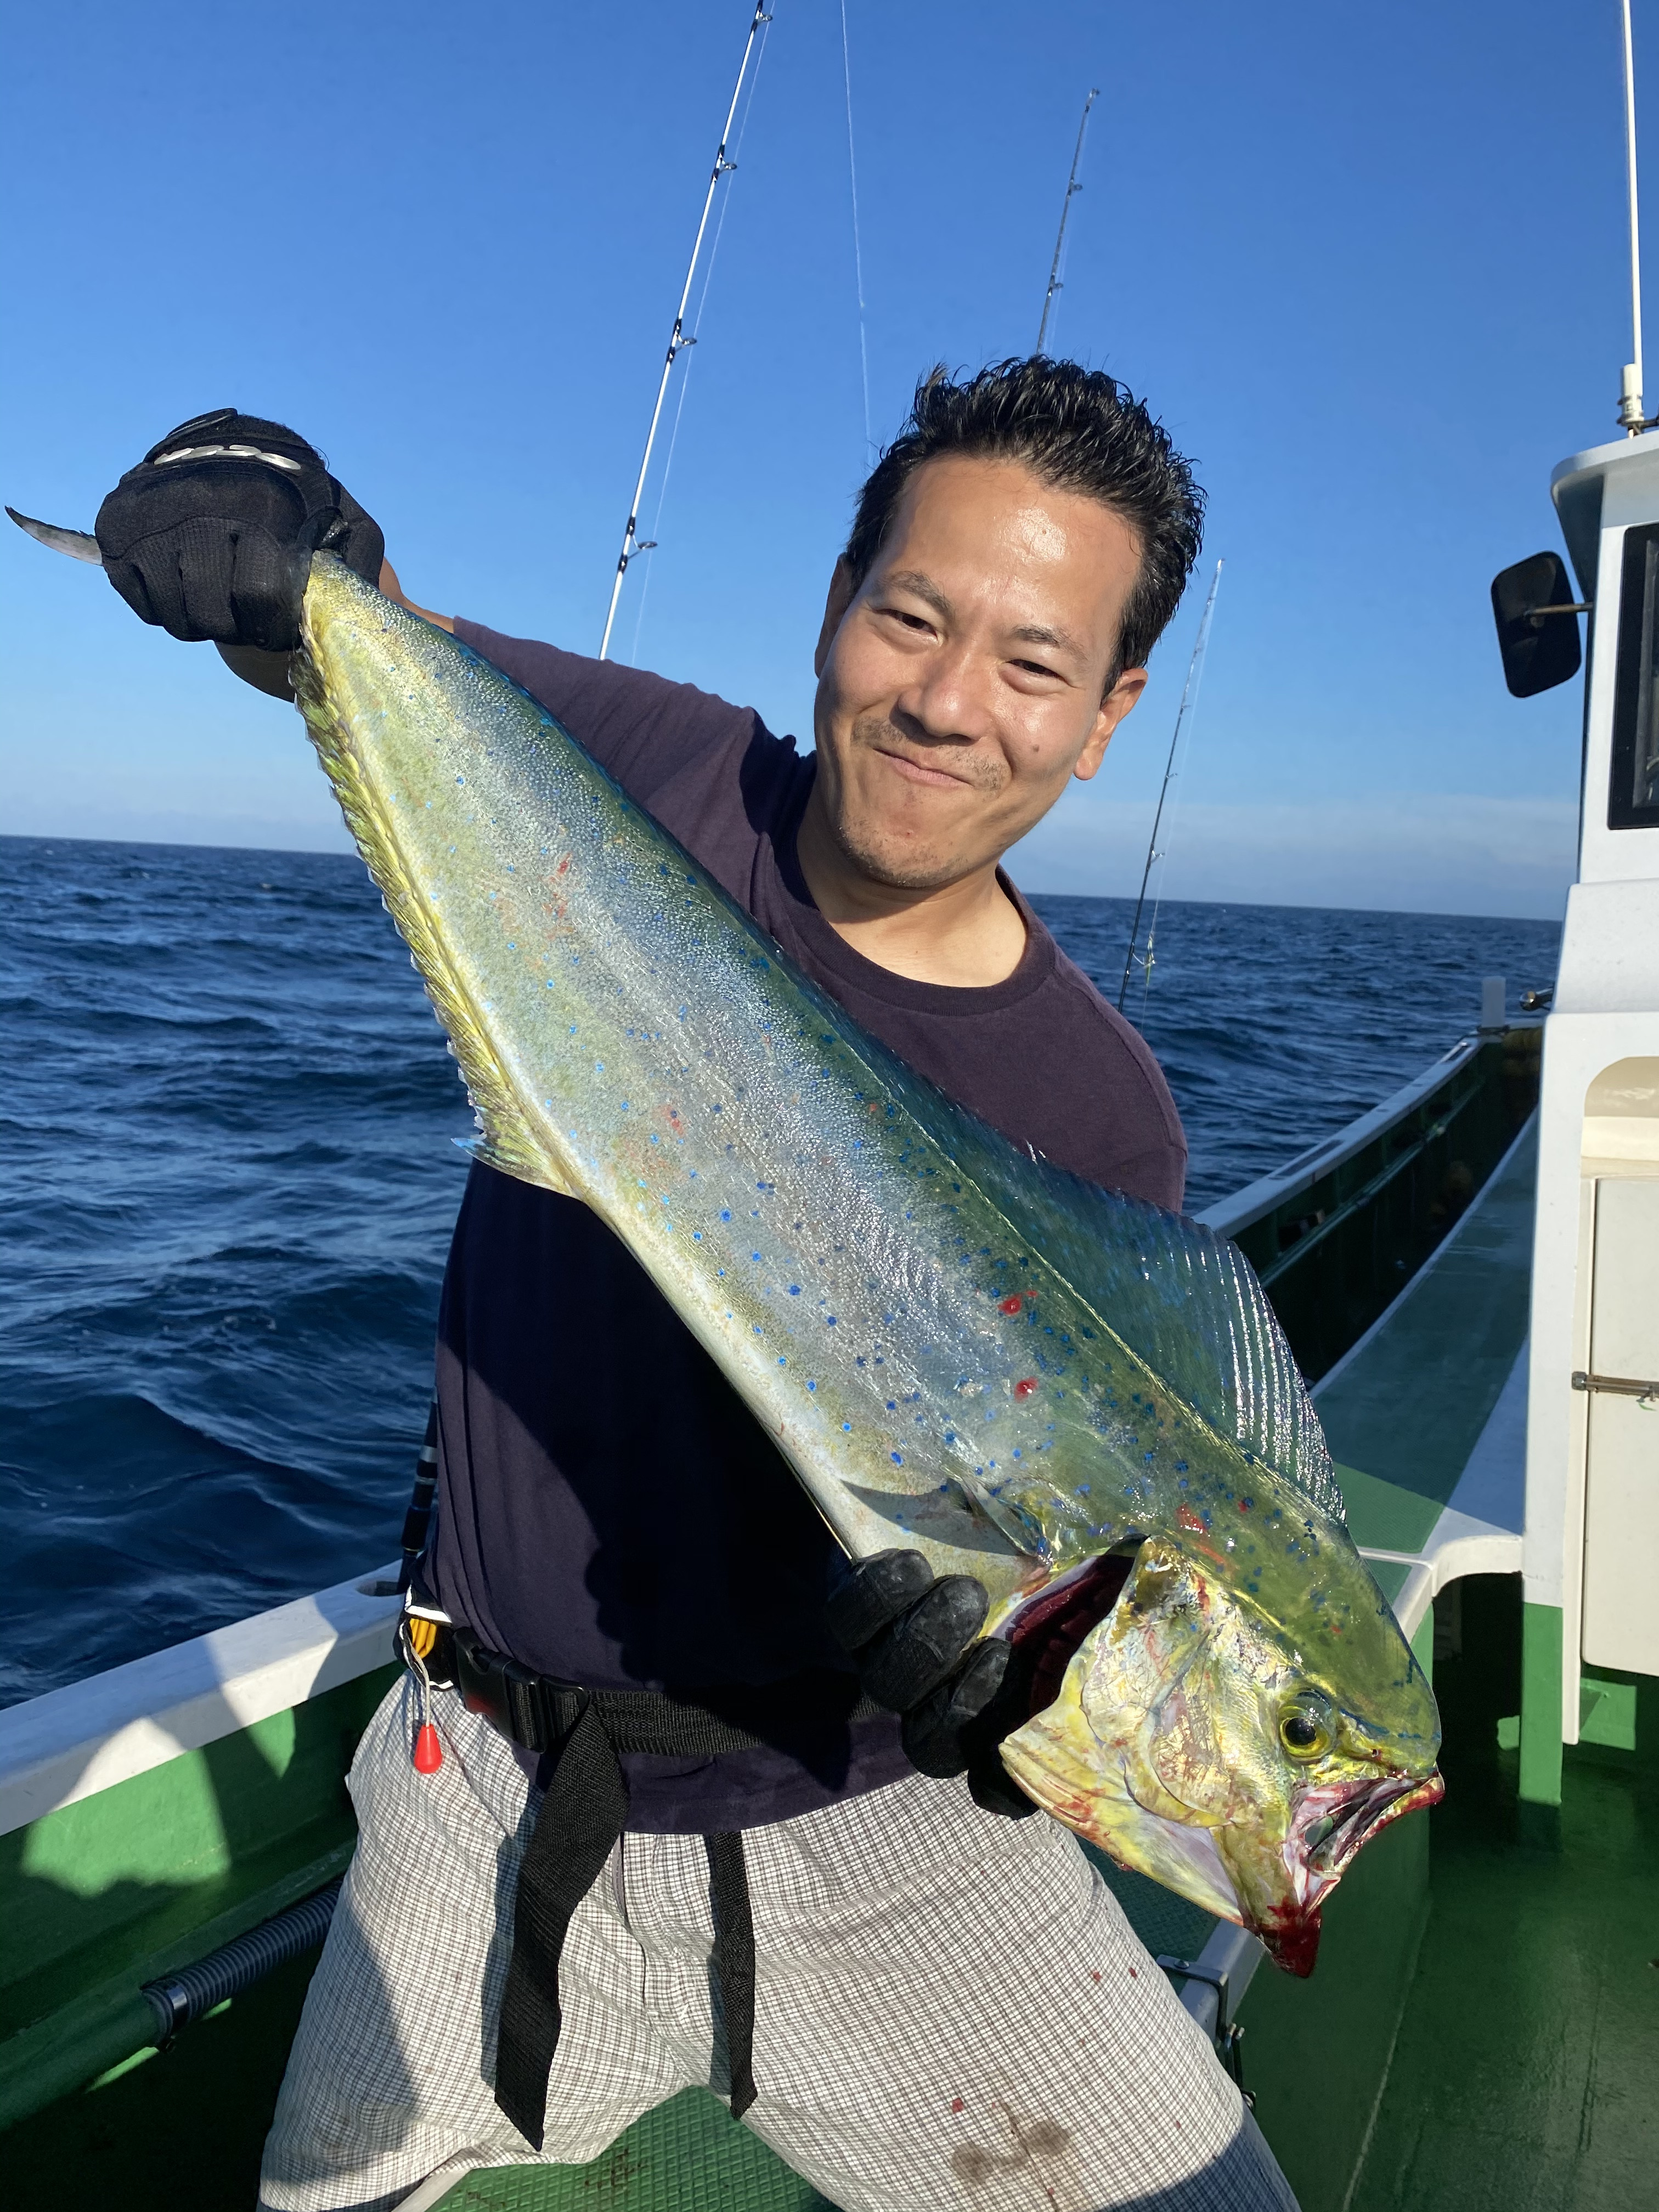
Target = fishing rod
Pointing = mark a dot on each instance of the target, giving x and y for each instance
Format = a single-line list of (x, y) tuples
[(1072, 186), (677, 341), (1188, 703)]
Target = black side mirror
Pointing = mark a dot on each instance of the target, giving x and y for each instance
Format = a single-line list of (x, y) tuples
[(1537, 619)]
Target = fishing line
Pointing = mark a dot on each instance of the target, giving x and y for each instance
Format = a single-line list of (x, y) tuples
[(650, 544), (1188, 706), (857, 252)]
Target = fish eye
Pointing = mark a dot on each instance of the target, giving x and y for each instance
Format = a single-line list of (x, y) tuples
[(1307, 1726)]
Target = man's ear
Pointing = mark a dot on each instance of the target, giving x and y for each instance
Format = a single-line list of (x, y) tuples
[(1113, 708), (840, 595)]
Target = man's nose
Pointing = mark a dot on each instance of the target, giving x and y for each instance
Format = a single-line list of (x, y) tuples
[(948, 700)]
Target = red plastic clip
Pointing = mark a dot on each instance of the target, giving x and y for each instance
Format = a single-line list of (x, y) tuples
[(428, 1752)]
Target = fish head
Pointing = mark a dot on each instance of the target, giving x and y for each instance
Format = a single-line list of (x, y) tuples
[(1195, 1738)]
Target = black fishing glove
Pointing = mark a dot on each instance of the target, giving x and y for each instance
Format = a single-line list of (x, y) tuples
[(211, 535), (915, 1640)]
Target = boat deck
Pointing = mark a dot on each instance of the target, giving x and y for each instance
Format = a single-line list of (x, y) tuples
[(1523, 2077)]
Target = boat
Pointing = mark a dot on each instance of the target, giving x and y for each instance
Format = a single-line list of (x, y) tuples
[(1469, 1274), (174, 1830)]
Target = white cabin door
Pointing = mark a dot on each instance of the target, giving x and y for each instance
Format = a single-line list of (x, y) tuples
[(1621, 1468)]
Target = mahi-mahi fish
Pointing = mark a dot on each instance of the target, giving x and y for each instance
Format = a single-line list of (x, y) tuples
[(1082, 1401), (955, 1345)]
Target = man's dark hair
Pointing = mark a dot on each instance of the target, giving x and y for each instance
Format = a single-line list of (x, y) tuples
[(1075, 428)]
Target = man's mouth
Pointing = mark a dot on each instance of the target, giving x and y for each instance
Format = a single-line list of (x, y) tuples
[(915, 771)]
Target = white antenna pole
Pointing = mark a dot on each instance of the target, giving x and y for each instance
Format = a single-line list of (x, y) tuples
[(677, 341), (1072, 186), (1629, 403), (1188, 701)]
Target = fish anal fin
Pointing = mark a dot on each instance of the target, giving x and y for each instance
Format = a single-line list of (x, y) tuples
[(508, 1153)]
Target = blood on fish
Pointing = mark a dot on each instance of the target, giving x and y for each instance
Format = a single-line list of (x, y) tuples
[(1011, 1305), (956, 2105), (1186, 1518), (1023, 1390)]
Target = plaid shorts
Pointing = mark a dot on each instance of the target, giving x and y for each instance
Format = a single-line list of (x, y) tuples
[(952, 2013)]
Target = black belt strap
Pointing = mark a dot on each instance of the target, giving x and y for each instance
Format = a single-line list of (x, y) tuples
[(735, 1962), (583, 1812), (581, 1817)]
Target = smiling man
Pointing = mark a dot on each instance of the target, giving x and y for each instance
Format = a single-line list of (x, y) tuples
[(803, 1879)]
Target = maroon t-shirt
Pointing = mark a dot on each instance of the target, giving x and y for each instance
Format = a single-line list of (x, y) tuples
[(625, 1538)]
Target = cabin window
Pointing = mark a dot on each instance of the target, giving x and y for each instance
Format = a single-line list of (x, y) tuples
[(1633, 799)]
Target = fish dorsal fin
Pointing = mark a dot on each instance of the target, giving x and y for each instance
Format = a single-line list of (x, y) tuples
[(1182, 1298)]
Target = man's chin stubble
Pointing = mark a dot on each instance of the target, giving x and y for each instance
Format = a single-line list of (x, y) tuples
[(912, 872)]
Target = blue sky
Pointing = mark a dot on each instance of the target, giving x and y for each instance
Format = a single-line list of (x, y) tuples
[(1368, 265)]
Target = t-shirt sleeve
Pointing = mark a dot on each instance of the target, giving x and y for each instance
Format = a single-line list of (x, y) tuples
[(641, 728), (1139, 1145)]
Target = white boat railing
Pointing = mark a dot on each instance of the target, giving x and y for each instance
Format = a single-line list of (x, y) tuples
[(71, 1743)]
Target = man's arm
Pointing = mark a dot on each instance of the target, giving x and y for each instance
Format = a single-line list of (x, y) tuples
[(268, 672)]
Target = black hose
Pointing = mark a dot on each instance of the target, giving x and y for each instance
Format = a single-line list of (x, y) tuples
[(181, 1998)]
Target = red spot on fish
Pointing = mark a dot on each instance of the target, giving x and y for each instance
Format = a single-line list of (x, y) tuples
[(1245, 1504), (1023, 1390), (1186, 1518), (874, 1107), (562, 866), (1011, 1305), (428, 1752), (956, 2105)]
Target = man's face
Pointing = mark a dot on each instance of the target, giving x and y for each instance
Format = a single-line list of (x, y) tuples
[(960, 686)]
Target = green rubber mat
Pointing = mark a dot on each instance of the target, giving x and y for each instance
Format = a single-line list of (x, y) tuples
[(688, 2155)]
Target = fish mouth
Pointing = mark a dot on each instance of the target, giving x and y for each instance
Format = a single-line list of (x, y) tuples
[(1331, 1826)]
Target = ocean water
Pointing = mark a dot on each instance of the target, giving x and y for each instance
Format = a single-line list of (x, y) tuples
[(228, 1115)]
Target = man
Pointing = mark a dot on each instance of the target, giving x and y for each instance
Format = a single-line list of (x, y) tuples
[(942, 2004)]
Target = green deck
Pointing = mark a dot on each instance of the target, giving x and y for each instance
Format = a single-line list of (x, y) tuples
[(1525, 2075)]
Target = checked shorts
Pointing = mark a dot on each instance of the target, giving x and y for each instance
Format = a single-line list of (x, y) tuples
[(952, 2013)]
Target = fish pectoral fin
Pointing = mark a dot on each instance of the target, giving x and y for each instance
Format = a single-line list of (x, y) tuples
[(525, 1163)]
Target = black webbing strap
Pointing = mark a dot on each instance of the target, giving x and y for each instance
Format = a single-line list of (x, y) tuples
[(582, 1813), (581, 1817), (734, 1961)]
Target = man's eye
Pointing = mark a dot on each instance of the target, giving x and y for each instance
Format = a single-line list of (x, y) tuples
[(1035, 668)]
